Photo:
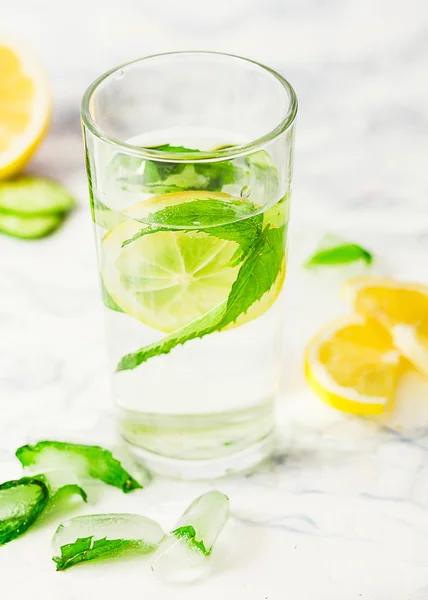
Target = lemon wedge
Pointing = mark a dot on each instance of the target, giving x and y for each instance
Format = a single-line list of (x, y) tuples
[(400, 307), (352, 365)]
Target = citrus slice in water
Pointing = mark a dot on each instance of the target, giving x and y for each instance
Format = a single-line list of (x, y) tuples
[(170, 278)]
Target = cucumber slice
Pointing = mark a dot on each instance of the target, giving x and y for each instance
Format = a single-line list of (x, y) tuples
[(28, 227), (34, 196)]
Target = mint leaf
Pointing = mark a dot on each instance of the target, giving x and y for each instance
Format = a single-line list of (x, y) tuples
[(229, 220), (203, 213), (61, 484), (256, 171), (203, 521), (256, 276), (161, 177), (339, 255), (21, 503), (65, 492), (199, 328), (92, 537), (85, 461), (87, 549), (189, 533)]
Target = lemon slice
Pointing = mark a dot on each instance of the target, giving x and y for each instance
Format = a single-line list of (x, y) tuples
[(352, 366), (400, 307), (168, 279), (24, 107)]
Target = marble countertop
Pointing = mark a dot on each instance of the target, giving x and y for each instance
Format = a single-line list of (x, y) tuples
[(340, 512)]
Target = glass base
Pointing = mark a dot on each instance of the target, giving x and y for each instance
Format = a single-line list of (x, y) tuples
[(238, 462)]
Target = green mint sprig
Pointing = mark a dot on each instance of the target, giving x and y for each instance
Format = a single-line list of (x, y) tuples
[(86, 461), (339, 255), (230, 220), (188, 532), (162, 177), (89, 549), (257, 274)]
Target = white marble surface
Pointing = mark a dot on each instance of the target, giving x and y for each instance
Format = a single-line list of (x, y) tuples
[(341, 513)]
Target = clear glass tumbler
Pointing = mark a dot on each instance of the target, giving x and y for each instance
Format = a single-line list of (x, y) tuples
[(189, 159)]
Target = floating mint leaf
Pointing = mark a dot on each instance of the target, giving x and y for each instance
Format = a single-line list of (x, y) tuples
[(21, 503), (208, 212), (338, 255), (256, 171), (85, 461), (199, 328), (183, 555), (256, 276), (100, 537), (229, 220)]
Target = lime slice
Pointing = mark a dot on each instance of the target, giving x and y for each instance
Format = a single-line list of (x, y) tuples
[(167, 279)]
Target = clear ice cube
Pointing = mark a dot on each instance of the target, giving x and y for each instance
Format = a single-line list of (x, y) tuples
[(182, 557), (110, 526)]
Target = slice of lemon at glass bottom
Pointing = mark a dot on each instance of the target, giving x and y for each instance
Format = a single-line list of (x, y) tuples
[(168, 279), (352, 366)]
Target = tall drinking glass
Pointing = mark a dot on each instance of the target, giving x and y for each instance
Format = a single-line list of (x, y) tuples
[(189, 159)]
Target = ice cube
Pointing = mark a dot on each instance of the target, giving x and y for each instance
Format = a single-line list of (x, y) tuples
[(183, 556), (110, 526)]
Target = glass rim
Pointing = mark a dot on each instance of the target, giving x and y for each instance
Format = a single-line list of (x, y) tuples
[(150, 153)]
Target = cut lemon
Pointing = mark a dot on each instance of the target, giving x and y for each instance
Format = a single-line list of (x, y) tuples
[(353, 366), (400, 307), (170, 278), (24, 108)]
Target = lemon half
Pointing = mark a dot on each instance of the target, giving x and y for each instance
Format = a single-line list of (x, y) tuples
[(24, 107)]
